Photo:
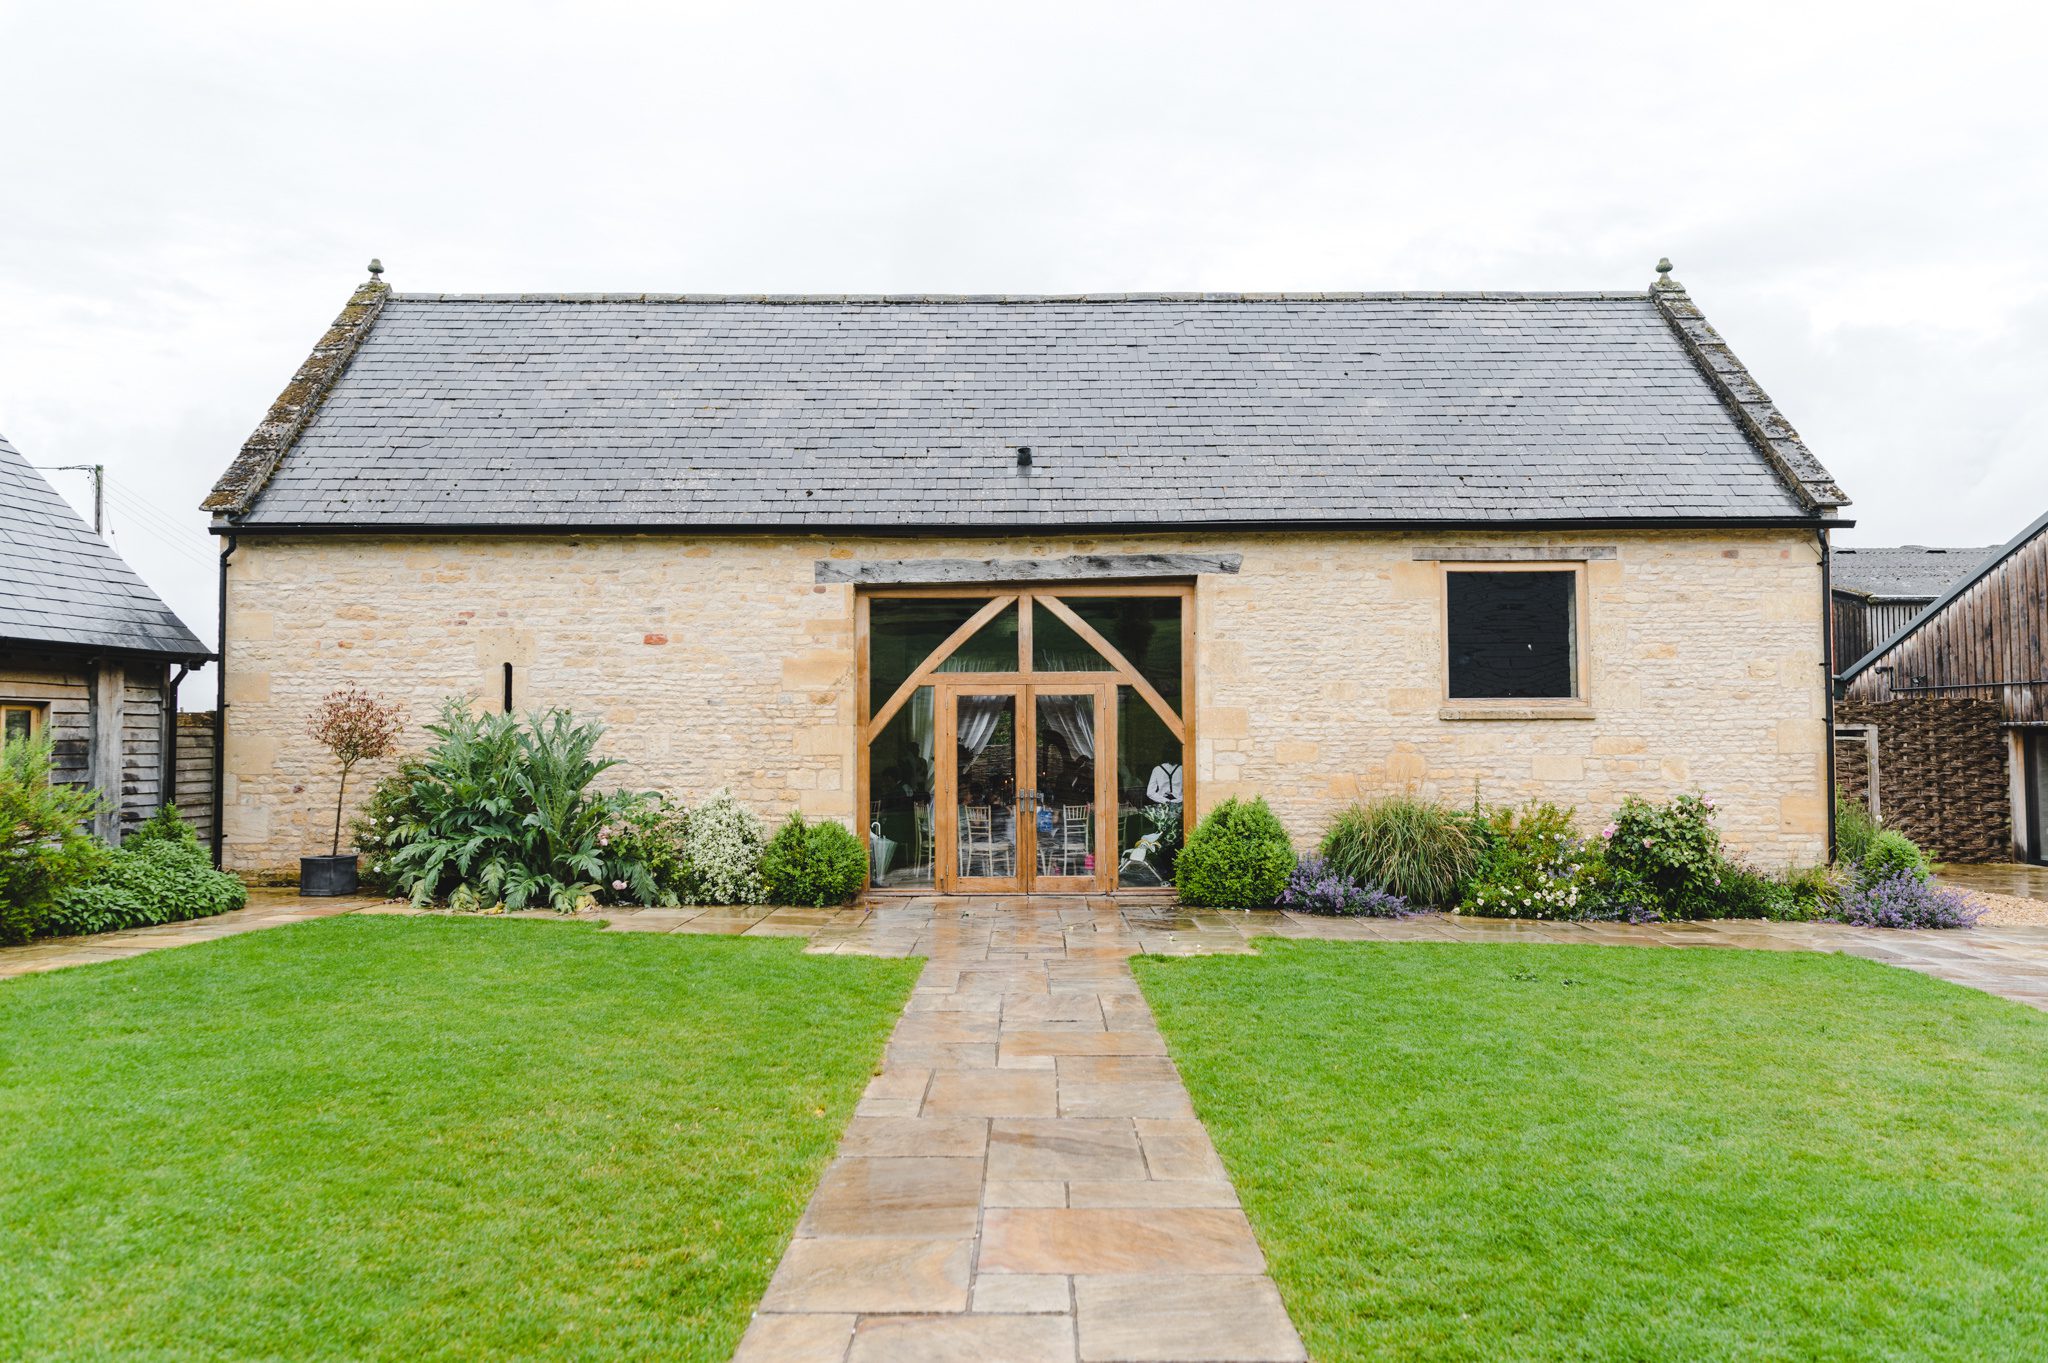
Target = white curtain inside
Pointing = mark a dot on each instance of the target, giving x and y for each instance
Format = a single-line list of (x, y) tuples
[(978, 716), (922, 710), (1072, 718)]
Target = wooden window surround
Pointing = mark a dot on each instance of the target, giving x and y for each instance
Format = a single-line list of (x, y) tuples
[(1578, 705), (1028, 599), (20, 720)]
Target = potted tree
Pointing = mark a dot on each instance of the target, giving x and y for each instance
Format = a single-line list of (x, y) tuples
[(356, 727)]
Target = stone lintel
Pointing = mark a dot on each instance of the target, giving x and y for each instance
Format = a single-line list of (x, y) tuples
[(1514, 553), (1072, 568)]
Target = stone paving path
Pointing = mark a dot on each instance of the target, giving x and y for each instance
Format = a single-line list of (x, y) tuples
[(266, 909), (1025, 1179)]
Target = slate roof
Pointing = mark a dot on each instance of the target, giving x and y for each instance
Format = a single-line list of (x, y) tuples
[(62, 585), (1905, 572), (645, 411)]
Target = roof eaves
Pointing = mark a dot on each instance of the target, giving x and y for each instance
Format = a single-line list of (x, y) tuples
[(1940, 603), (1760, 418), (194, 654), (266, 448)]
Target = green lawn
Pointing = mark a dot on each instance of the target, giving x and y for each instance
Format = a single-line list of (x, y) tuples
[(1563, 1152), (420, 1138)]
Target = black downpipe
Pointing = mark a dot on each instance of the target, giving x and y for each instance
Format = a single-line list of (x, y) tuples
[(167, 777), (220, 702), (1827, 646)]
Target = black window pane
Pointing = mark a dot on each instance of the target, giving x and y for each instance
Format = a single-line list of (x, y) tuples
[(1512, 635), (1145, 629), (903, 631)]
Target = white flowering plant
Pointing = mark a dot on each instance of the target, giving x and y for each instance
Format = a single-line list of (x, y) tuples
[(722, 844), (1534, 864)]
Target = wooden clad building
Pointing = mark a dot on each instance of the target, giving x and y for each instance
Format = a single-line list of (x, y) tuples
[(1983, 640), (1877, 591), (88, 653)]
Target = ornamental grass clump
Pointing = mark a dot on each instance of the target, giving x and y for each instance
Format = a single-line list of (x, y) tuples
[(1317, 887), (1904, 900), (1238, 858), (1855, 829), (1417, 849), (813, 864)]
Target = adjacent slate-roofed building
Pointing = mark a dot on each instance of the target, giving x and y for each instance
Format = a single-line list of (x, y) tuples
[(1953, 703), (1877, 591), (86, 650), (1310, 546)]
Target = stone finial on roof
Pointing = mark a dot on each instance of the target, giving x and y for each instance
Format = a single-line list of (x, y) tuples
[(376, 268), (1664, 279)]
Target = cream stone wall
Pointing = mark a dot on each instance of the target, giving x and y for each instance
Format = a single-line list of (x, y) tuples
[(720, 662)]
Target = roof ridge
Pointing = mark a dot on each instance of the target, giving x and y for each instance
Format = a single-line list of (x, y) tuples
[(873, 299)]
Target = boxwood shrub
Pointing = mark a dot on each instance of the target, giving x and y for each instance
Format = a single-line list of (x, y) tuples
[(1889, 855), (812, 864), (1238, 858)]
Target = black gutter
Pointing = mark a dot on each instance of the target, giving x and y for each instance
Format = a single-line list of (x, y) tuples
[(543, 529), (1964, 686), (88, 652), (220, 700)]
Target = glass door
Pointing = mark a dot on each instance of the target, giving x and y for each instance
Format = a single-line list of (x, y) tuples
[(1024, 795), (1069, 796), (982, 821)]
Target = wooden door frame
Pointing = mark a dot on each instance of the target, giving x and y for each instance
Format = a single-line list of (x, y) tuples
[(947, 878), (996, 597), (1102, 693)]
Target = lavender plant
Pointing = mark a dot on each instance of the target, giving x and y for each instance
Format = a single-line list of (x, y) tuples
[(1905, 900), (1318, 887)]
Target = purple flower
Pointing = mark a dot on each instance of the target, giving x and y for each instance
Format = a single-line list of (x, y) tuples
[(1317, 887), (1906, 901)]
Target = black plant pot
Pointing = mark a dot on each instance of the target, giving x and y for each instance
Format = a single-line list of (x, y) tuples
[(327, 876)]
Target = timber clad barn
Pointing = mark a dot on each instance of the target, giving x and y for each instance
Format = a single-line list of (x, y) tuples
[(1949, 712), (1009, 584), (87, 653)]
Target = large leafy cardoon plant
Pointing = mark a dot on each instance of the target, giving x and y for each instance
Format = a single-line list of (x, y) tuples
[(504, 812)]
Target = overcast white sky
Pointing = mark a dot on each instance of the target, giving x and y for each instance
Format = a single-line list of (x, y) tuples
[(1856, 194)]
